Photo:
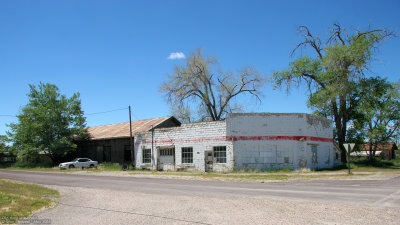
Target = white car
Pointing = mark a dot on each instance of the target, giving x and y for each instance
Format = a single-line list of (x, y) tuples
[(79, 163)]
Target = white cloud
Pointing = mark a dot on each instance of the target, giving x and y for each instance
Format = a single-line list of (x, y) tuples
[(176, 55)]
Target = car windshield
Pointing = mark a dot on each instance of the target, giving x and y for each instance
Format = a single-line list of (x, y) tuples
[(75, 160)]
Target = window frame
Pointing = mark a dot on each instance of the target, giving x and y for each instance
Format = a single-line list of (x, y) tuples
[(146, 157), (187, 155), (217, 152)]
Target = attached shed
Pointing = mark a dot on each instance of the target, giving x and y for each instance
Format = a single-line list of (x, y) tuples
[(111, 143)]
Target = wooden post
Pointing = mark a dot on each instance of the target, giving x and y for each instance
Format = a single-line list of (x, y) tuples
[(348, 147), (348, 158)]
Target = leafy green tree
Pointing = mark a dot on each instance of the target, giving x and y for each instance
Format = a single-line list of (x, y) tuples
[(200, 85), (378, 108), (49, 122), (332, 73), (3, 143)]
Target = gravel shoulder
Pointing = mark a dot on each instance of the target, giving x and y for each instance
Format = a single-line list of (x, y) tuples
[(103, 206)]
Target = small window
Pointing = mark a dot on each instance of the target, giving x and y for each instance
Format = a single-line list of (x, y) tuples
[(166, 152), (146, 156), (220, 154), (187, 155)]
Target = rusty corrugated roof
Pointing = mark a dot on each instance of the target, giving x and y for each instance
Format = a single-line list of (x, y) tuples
[(120, 130), (380, 147)]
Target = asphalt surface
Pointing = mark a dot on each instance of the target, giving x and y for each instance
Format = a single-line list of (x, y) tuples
[(93, 199), (372, 192)]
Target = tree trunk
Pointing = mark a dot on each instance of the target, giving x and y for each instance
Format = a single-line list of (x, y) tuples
[(339, 132)]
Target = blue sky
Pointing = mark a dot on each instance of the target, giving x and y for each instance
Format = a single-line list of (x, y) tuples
[(115, 52)]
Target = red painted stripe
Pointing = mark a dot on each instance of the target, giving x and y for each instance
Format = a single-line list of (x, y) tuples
[(278, 138), (241, 138)]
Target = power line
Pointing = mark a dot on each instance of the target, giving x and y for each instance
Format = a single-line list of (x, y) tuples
[(89, 114), (105, 111), (8, 115)]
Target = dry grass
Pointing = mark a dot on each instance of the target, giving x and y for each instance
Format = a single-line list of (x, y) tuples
[(19, 200)]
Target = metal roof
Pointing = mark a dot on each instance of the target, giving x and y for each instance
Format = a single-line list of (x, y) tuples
[(121, 130), (380, 147)]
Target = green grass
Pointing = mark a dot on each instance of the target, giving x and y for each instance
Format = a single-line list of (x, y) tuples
[(19, 200), (109, 167), (359, 168), (377, 163), (49, 168), (362, 165)]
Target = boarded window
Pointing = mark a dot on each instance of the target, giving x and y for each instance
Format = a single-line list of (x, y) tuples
[(187, 155), (220, 154), (314, 158), (146, 156)]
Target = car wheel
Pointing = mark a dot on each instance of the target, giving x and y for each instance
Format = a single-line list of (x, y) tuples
[(71, 166), (91, 166)]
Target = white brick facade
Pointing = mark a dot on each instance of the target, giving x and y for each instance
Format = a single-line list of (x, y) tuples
[(201, 137), (258, 141), (276, 140)]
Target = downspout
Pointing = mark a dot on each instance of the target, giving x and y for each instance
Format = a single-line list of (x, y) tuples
[(233, 154), (152, 147)]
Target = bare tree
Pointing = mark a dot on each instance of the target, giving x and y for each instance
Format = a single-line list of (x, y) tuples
[(199, 84)]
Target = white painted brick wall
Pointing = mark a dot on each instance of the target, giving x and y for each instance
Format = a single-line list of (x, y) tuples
[(255, 141), (200, 136), (280, 143)]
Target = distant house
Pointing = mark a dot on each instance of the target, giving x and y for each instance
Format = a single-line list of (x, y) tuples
[(243, 141), (7, 158), (385, 151)]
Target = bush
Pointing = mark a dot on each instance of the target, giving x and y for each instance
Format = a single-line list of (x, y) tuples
[(377, 162)]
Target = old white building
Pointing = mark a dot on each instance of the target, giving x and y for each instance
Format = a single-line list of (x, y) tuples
[(257, 141)]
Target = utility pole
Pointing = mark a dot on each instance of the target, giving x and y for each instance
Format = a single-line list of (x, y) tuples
[(131, 139)]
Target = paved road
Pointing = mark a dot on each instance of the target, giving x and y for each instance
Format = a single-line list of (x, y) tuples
[(94, 199), (372, 192)]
